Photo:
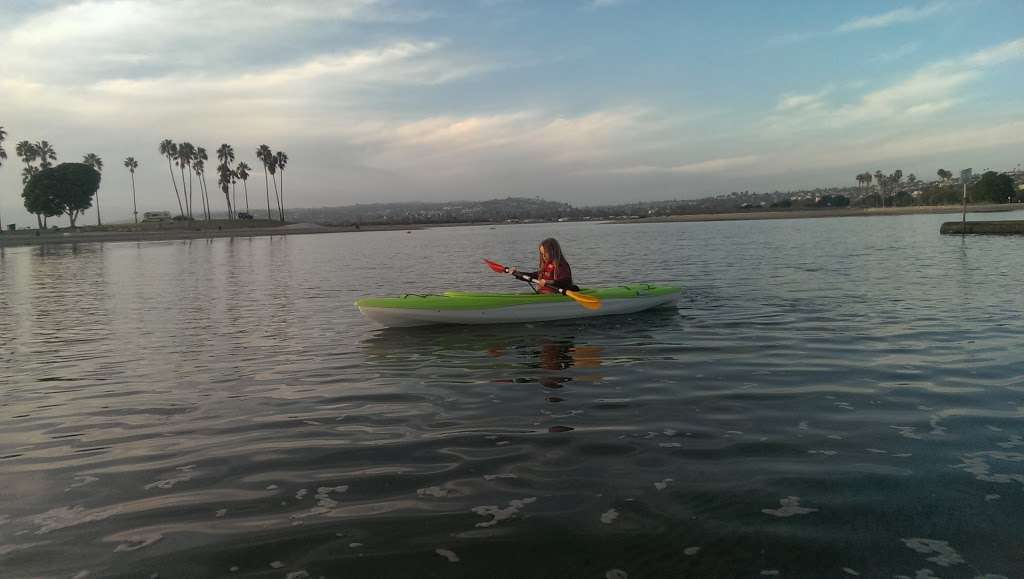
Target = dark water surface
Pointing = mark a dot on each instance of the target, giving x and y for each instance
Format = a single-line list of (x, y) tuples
[(832, 398)]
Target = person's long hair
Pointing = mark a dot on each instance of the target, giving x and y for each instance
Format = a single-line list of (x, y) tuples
[(554, 252)]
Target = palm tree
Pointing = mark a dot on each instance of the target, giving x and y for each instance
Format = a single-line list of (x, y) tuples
[(94, 161), (224, 180), (272, 167), (185, 152), (243, 174), (199, 159), (3, 157), (880, 179), (281, 160), (27, 152), (234, 198), (263, 154), (45, 153), (170, 150), (132, 165), (226, 156)]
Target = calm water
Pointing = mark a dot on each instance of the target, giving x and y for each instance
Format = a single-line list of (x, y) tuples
[(832, 398)]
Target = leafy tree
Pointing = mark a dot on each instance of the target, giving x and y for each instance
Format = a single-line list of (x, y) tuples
[(67, 188), (994, 187), (902, 199)]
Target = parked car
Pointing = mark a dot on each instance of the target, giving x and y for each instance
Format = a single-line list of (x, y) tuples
[(244, 215), (156, 216)]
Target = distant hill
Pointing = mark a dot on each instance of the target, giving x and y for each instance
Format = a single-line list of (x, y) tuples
[(529, 209)]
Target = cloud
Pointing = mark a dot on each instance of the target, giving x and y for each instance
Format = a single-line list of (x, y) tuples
[(886, 19), (706, 166), (930, 90), (93, 39), (790, 102)]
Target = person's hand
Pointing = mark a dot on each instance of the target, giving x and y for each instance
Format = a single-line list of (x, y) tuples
[(513, 270), (541, 283)]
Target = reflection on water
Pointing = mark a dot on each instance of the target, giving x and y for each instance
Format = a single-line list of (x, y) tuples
[(837, 398)]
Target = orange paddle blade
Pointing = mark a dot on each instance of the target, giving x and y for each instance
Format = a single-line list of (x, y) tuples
[(589, 302)]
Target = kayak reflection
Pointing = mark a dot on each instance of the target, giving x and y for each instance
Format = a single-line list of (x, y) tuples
[(536, 353)]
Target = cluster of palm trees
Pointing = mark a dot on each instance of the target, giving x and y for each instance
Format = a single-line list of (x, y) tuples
[(187, 156), (41, 155), (887, 185)]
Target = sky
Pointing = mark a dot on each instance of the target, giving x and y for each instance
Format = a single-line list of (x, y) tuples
[(584, 101)]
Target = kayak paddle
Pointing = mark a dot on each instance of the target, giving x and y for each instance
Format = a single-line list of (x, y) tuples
[(589, 302)]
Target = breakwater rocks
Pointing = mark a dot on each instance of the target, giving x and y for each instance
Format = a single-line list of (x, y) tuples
[(983, 228)]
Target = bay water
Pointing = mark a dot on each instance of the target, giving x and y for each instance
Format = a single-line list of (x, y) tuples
[(831, 398)]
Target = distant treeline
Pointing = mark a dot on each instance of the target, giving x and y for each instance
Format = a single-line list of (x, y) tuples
[(989, 188)]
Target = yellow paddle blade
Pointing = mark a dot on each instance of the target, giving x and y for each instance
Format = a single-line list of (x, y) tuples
[(589, 302)]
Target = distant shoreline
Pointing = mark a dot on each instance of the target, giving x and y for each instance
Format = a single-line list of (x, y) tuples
[(221, 229), (754, 215)]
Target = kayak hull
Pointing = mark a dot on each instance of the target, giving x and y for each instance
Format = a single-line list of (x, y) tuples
[(488, 308)]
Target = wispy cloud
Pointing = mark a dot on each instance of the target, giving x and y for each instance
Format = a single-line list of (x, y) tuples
[(789, 102), (706, 166), (929, 90), (886, 19)]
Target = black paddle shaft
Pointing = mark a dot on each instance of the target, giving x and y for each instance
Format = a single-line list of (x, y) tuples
[(533, 280)]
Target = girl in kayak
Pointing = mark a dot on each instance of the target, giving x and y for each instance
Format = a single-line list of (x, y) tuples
[(553, 270)]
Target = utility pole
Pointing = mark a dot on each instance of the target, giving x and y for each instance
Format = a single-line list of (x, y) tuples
[(965, 176)]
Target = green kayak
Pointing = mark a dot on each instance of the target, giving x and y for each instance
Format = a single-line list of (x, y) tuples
[(500, 308)]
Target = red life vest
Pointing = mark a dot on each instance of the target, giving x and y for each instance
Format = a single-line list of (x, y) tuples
[(560, 273)]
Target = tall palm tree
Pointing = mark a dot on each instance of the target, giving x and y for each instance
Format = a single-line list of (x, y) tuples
[(28, 153), (3, 157), (132, 165), (224, 180), (94, 161), (199, 160), (185, 152), (226, 156), (272, 167), (880, 179), (263, 154), (281, 160), (169, 149), (234, 197), (45, 153), (243, 174)]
